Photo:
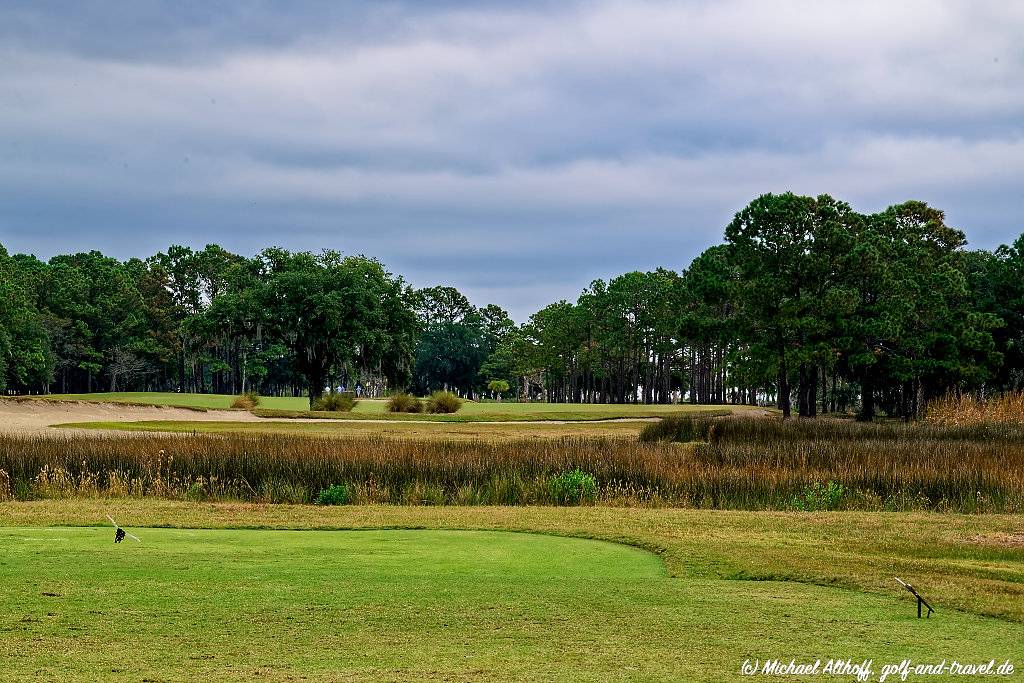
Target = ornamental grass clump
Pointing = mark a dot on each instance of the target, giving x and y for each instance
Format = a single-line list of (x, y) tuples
[(246, 401), (442, 402), (333, 402), (403, 402)]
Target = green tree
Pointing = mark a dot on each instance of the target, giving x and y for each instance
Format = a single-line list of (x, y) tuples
[(335, 314), (455, 341), (26, 358)]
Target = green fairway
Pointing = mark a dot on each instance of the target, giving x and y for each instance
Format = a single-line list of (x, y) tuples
[(471, 411), (422, 605)]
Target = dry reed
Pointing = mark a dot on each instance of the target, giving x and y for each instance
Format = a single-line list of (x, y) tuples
[(749, 464), (1007, 409)]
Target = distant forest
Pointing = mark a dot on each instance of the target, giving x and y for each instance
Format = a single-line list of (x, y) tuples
[(807, 305)]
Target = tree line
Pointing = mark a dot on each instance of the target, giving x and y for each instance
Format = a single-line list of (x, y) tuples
[(807, 305)]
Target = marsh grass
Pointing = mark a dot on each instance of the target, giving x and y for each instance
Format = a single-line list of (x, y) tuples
[(1007, 409), (748, 464), (768, 431)]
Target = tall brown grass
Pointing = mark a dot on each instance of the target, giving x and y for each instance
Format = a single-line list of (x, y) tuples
[(750, 464), (685, 428), (246, 401), (1007, 409)]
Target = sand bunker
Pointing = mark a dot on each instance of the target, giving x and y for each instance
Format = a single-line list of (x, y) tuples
[(36, 416)]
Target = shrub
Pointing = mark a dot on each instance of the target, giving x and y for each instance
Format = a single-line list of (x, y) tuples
[(336, 403), (443, 402), (197, 491), (337, 494), (246, 401), (573, 487), (820, 496), (402, 402)]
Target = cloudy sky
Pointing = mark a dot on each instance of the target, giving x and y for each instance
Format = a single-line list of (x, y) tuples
[(515, 150)]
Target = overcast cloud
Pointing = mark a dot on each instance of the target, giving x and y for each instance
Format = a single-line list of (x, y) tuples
[(515, 150)]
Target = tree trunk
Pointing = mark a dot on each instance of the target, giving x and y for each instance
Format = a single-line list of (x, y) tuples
[(867, 400), (812, 391), (316, 386), (803, 410), (784, 400)]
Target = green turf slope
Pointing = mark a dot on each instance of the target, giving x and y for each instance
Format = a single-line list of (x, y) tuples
[(241, 605), (375, 409)]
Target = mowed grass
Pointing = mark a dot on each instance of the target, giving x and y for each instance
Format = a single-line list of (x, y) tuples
[(471, 411), (962, 562), (383, 605), (461, 431)]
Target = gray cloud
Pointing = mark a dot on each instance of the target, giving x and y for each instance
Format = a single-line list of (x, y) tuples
[(513, 150)]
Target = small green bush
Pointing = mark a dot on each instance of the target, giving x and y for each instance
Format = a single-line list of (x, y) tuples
[(404, 403), (246, 401), (196, 491), (336, 403), (338, 494), (574, 487), (820, 496), (443, 402)]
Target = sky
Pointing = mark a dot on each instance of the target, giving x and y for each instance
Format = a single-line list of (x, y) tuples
[(515, 150)]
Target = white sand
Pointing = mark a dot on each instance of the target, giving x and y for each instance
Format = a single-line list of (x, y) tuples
[(36, 416)]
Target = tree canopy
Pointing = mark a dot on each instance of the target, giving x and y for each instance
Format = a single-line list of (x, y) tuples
[(806, 304)]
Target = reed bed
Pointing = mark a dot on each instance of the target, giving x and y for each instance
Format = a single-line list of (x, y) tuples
[(1007, 409), (775, 430), (743, 466)]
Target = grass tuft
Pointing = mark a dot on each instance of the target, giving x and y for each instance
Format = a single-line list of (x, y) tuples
[(333, 402), (246, 401), (402, 402), (443, 402)]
